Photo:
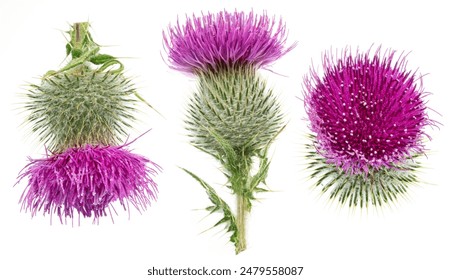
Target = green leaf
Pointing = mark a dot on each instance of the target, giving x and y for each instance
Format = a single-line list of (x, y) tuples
[(68, 49), (110, 63), (76, 53), (261, 174), (218, 204), (101, 58)]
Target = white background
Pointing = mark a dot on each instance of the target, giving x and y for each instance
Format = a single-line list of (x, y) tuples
[(292, 226)]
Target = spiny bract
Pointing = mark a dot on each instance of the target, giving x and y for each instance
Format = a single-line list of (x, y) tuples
[(376, 187), (233, 105), (77, 108), (87, 180)]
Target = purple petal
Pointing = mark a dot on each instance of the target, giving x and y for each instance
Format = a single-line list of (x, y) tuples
[(225, 40)]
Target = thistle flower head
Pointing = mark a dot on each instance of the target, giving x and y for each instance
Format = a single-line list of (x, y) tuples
[(232, 116), (367, 110), (215, 41), (78, 108), (87, 180)]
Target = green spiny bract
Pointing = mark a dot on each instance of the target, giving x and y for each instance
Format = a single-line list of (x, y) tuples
[(233, 106), (83, 103), (375, 187), (73, 109)]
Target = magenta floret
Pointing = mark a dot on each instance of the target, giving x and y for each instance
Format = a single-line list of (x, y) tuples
[(367, 111), (225, 40), (87, 180)]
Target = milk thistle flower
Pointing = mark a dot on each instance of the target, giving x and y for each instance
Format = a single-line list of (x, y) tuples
[(80, 113), (368, 117), (232, 116)]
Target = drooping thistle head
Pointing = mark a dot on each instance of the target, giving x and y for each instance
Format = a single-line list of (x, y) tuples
[(80, 112), (368, 115), (85, 181), (225, 40), (81, 103)]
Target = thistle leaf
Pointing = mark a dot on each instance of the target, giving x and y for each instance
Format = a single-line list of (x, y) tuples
[(218, 205), (261, 174), (101, 58)]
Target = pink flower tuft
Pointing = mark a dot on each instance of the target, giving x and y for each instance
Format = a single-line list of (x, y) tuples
[(87, 180), (367, 111), (225, 40)]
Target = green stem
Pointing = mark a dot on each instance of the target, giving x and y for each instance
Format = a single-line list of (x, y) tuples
[(241, 223), (240, 184), (78, 35)]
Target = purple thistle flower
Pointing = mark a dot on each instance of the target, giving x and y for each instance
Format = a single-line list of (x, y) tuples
[(225, 40), (367, 111), (232, 116), (87, 180)]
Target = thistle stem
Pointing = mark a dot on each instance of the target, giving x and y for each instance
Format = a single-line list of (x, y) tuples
[(241, 223), (240, 184), (81, 38)]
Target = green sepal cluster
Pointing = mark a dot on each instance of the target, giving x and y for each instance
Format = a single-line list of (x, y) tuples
[(235, 105), (87, 101), (74, 109), (376, 187)]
